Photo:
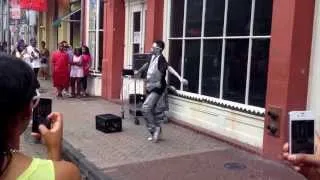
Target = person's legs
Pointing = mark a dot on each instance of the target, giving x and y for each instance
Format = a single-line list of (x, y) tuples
[(59, 89), (36, 71), (73, 88), (84, 84), (162, 107), (43, 72), (78, 84), (148, 111)]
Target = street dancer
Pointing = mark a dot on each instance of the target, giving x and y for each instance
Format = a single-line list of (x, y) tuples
[(155, 87)]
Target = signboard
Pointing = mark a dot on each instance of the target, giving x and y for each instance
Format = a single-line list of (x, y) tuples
[(15, 13), (37, 5), (136, 37)]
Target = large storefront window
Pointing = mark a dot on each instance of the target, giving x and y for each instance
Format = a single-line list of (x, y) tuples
[(221, 47), (95, 33)]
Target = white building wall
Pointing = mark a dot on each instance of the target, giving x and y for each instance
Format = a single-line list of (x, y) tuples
[(314, 72), (94, 85), (245, 128)]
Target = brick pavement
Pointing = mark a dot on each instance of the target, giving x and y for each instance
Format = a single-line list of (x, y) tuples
[(183, 154)]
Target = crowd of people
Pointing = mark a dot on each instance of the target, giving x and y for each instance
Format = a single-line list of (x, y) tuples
[(37, 58), (69, 67), (3, 47)]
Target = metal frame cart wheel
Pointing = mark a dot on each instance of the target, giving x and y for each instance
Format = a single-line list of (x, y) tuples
[(134, 108)]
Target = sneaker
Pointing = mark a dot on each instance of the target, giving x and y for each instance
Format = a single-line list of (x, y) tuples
[(150, 138), (156, 135)]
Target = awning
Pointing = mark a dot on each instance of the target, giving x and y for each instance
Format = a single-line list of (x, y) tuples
[(57, 22), (36, 5)]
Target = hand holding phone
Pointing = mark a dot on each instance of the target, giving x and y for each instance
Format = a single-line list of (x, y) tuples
[(306, 164), (40, 115), (53, 137), (301, 132)]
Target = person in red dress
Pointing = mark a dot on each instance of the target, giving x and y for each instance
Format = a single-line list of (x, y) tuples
[(86, 63), (60, 69)]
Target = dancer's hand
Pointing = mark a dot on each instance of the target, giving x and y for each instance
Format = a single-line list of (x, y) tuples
[(306, 164), (136, 74), (185, 82)]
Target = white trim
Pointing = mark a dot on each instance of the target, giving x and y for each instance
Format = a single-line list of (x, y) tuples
[(183, 41), (199, 97), (96, 30), (97, 35), (87, 20), (166, 26), (204, 5), (223, 54), (126, 42), (132, 7), (250, 53)]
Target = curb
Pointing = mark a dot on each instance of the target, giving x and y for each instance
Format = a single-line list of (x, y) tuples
[(88, 170)]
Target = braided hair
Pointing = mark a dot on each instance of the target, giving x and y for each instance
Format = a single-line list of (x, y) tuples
[(17, 88)]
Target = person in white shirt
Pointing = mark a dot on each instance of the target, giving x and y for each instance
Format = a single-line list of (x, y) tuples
[(20, 51), (76, 72), (34, 56)]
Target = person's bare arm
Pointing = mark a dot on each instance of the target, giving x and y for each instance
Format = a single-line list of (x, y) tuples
[(172, 71), (66, 170), (142, 69), (53, 136)]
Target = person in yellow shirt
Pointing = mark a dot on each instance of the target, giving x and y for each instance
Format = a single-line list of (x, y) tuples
[(18, 96)]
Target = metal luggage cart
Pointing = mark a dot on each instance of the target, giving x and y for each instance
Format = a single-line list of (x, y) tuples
[(134, 102)]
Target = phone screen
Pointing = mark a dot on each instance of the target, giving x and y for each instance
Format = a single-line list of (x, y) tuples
[(40, 114), (302, 136)]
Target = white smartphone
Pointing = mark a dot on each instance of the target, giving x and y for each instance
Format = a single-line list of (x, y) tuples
[(301, 132)]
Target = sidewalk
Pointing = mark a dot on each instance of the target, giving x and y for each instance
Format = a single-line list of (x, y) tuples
[(183, 154)]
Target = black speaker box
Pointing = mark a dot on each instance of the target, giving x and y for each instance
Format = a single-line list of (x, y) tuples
[(108, 123)]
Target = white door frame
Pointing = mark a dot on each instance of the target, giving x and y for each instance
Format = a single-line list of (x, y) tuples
[(133, 6)]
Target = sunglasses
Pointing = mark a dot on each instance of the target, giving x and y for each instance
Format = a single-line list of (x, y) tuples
[(36, 99)]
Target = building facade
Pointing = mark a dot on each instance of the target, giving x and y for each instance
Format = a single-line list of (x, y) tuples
[(244, 59)]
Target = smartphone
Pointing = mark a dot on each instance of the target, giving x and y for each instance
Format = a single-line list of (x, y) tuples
[(40, 114), (301, 132)]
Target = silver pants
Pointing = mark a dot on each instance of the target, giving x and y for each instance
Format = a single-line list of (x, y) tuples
[(152, 111)]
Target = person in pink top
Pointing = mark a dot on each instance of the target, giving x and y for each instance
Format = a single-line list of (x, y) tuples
[(60, 69), (86, 63)]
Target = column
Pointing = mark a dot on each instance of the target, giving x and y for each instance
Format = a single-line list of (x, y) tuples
[(154, 22), (112, 65), (290, 50)]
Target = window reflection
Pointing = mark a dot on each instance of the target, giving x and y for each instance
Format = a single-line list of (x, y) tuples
[(262, 18), (214, 17), (235, 70), (239, 16), (191, 65), (177, 12), (175, 53), (194, 18), (259, 72), (211, 68)]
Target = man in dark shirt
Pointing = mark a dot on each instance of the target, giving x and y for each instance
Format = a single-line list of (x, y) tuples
[(155, 87)]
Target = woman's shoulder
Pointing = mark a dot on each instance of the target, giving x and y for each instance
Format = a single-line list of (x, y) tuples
[(66, 170)]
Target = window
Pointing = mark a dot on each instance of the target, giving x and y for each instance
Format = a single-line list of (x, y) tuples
[(221, 47), (95, 33)]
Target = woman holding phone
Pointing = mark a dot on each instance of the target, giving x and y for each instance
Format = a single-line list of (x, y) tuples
[(17, 99)]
